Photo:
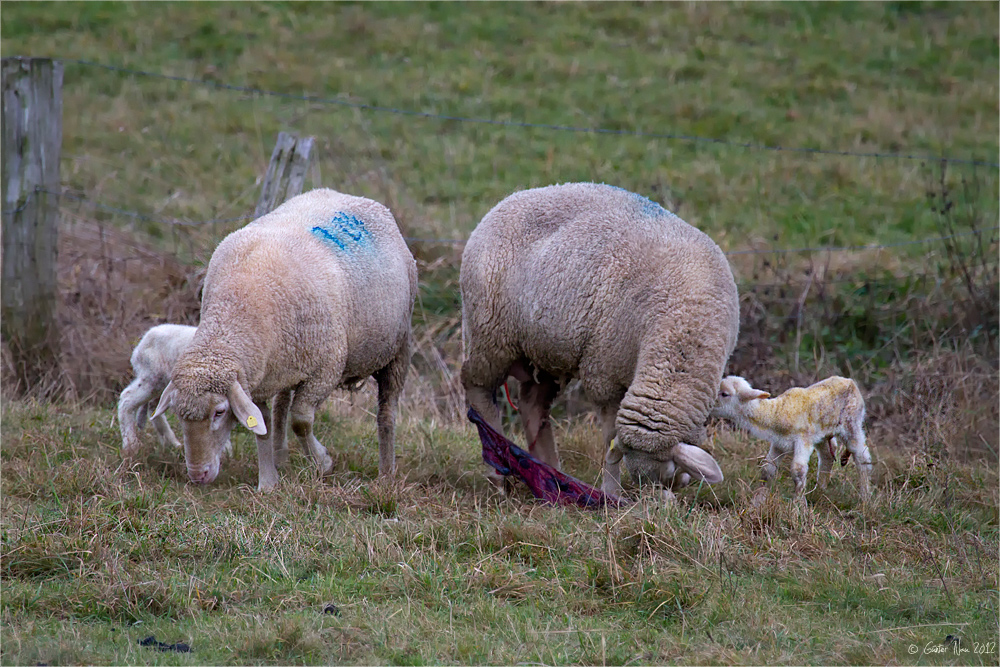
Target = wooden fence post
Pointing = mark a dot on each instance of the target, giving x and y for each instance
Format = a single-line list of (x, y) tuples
[(32, 138), (286, 172)]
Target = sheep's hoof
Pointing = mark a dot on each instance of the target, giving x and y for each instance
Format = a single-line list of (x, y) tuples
[(609, 488), (325, 466), (502, 483), (266, 485)]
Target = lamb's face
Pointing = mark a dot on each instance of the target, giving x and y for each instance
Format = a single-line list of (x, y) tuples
[(733, 390), (206, 425)]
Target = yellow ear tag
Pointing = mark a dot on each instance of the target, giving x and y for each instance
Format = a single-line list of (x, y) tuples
[(611, 447), (251, 421)]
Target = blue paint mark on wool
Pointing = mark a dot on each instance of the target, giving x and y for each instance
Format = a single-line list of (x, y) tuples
[(344, 232), (648, 206)]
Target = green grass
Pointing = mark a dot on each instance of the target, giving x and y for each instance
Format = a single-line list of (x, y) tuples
[(863, 77), (98, 554)]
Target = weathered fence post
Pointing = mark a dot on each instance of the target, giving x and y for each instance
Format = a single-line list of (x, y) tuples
[(32, 137), (286, 173)]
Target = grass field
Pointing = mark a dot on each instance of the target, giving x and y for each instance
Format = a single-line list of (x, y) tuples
[(98, 553)]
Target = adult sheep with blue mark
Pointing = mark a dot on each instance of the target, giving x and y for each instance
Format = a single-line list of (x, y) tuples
[(313, 296), (594, 282)]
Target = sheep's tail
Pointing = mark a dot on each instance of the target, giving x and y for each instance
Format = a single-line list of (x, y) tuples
[(545, 482)]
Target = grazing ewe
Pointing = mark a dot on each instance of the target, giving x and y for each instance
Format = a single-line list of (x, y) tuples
[(315, 295), (152, 360), (798, 420), (595, 282)]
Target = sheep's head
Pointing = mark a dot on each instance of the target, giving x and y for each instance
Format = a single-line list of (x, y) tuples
[(674, 468), (735, 391), (206, 420)]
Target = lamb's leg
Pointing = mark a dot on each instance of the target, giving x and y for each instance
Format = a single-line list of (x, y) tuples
[(133, 398), (858, 448), (267, 474), (800, 466), (166, 434), (303, 416), (612, 477), (770, 466), (142, 414), (827, 457), (534, 401), (390, 385), (279, 417)]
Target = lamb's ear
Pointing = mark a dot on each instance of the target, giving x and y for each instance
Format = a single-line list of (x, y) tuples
[(246, 412), (749, 395), (166, 400), (697, 462)]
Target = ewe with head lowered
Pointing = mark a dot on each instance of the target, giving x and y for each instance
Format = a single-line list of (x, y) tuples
[(315, 295), (594, 282)]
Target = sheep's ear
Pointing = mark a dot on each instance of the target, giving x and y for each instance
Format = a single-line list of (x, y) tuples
[(749, 395), (246, 412), (697, 462), (166, 400)]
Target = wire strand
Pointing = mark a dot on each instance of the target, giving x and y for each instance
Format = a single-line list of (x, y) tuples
[(522, 124)]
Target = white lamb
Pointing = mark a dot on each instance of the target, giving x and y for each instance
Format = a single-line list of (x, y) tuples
[(798, 420), (152, 360), (315, 295)]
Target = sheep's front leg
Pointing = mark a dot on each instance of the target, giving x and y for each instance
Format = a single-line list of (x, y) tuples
[(390, 385), (483, 401), (612, 477), (267, 474), (800, 465), (534, 401), (770, 466)]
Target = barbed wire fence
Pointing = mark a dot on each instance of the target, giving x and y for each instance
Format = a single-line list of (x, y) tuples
[(121, 280)]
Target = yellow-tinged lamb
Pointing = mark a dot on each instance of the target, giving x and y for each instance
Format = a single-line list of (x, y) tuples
[(595, 282), (315, 295), (797, 421)]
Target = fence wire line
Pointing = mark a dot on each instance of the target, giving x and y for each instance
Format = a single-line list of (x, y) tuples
[(412, 239), (523, 124)]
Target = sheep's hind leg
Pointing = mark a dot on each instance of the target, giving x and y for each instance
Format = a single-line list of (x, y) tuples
[(279, 418), (534, 400), (390, 385), (132, 401), (303, 416)]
